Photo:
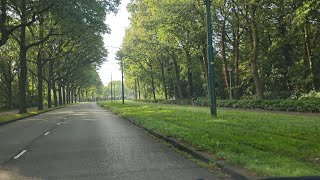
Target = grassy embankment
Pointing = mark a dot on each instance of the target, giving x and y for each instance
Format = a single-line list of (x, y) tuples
[(264, 143), (12, 115)]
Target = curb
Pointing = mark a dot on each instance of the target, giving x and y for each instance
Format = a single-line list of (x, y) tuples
[(236, 173), (31, 115)]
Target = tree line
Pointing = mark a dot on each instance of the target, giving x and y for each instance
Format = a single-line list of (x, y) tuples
[(50, 50), (263, 49)]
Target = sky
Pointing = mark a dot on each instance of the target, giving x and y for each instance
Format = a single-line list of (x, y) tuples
[(117, 23)]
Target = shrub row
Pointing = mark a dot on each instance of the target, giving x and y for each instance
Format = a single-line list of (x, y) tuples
[(302, 105), (310, 105)]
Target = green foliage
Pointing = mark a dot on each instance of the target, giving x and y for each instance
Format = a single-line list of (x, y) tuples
[(116, 91), (266, 143), (310, 95), (301, 105), (166, 42), (57, 48)]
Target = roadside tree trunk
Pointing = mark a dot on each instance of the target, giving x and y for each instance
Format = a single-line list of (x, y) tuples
[(255, 46), (236, 55), (223, 56), (177, 75), (152, 83), (23, 61), (164, 84)]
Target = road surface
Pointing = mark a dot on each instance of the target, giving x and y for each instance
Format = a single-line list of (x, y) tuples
[(84, 141)]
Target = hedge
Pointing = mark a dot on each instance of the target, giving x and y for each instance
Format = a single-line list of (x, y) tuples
[(302, 105)]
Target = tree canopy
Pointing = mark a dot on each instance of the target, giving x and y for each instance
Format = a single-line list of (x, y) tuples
[(263, 49), (50, 50)]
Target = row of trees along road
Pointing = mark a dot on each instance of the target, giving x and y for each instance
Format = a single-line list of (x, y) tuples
[(50, 50), (272, 48)]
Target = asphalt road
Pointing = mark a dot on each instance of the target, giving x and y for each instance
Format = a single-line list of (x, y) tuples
[(85, 141)]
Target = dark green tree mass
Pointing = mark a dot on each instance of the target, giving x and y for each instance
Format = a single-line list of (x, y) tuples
[(50, 50)]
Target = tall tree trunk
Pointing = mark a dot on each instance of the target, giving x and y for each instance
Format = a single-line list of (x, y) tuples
[(60, 92), (9, 77), (54, 89), (23, 61), (72, 95), (311, 64), (139, 94), (49, 94), (255, 46), (75, 95), (64, 94), (67, 93), (145, 91), (205, 66), (135, 89), (50, 82), (53, 83), (287, 60), (40, 58), (40, 81), (79, 94), (236, 55), (9, 89), (189, 73), (152, 83), (177, 75), (164, 84), (223, 56)]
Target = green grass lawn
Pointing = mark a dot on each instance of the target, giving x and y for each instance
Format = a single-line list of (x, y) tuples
[(264, 143), (12, 115)]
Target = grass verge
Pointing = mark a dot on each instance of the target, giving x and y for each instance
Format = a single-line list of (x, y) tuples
[(13, 116), (265, 143)]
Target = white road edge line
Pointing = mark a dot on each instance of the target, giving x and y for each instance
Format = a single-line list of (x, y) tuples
[(20, 154), (46, 133)]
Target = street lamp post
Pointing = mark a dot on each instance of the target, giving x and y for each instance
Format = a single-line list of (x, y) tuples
[(230, 79), (114, 91), (210, 60), (111, 88), (122, 84)]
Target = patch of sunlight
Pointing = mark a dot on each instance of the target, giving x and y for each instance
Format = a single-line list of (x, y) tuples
[(13, 175)]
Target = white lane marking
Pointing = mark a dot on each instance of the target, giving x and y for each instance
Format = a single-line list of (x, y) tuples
[(46, 133), (58, 124), (20, 154)]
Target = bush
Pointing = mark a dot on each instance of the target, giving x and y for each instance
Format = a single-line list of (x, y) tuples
[(301, 105), (310, 95)]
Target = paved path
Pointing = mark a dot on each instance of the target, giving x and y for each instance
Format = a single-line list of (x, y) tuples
[(84, 141)]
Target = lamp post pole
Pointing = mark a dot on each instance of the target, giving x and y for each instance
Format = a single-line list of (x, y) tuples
[(114, 91), (111, 88), (210, 61), (122, 84)]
